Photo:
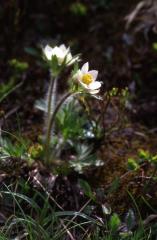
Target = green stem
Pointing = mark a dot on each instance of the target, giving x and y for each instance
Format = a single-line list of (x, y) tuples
[(52, 123), (51, 93), (51, 105)]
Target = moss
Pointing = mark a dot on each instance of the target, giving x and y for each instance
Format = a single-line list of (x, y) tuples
[(115, 153)]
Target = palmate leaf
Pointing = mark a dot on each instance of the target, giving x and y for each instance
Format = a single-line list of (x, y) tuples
[(69, 121), (84, 158), (10, 149)]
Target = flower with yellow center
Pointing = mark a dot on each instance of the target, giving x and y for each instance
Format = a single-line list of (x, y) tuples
[(87, 79), (62, 53)]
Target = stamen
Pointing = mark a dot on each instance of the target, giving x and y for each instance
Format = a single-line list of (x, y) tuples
[(87, 78)]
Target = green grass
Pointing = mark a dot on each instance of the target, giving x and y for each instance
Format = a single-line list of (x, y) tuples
[(33, 216)]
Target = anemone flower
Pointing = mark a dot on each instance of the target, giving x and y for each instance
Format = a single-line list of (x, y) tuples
[(87, 79), (62, 53)]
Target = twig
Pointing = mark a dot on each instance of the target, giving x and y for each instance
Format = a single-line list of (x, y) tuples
[(67, 230), (48, 194), (131, 17), (79, 212), (86, 232), (8, 114), (11, 90), (149, 219)]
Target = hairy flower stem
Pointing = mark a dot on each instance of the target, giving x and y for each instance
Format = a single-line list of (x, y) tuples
[(51, 124), (51, 101)]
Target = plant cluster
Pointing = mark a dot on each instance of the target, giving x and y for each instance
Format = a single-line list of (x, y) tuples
[(73, 130), (65, 113), (70, 126)]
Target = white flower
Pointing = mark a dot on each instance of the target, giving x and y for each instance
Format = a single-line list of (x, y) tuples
[(87, 79), (62, 53)]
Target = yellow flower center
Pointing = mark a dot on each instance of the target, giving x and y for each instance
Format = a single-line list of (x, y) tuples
[(87, 78)]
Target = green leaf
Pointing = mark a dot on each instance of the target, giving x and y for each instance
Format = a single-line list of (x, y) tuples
[(132, 164), (87, 189), (154, 159), (78, 9), (72, 213), (19, 66), (130, 219), (32, 51), (145, 155), (115, 185), (155, 46), (114, 222)]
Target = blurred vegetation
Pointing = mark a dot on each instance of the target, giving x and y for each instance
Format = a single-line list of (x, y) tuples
[(120, 39)]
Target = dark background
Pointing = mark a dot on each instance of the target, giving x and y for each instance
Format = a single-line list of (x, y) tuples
[(124, 57)]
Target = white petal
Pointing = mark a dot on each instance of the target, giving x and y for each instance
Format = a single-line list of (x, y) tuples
[(48, 52), (94, 85), (58, 52), (68, 57), (94, 91), (85, 68), (72, 59), (63, 47), (94, 74)]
